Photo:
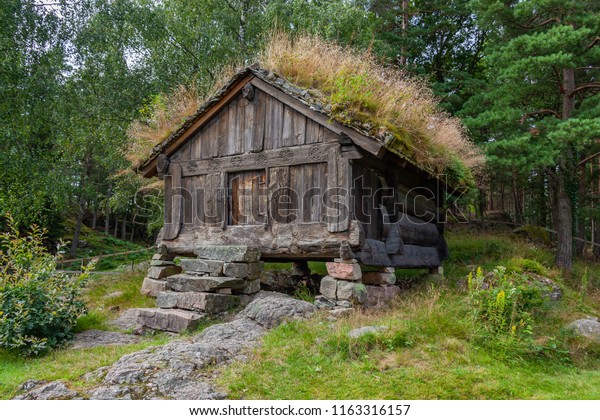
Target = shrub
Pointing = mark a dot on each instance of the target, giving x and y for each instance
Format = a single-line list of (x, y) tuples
[(38, 306), (504, 303)]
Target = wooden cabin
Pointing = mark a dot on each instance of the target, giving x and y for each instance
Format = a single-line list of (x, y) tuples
[(263, 163)]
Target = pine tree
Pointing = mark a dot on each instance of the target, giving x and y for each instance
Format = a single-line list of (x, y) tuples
[(540, 110)]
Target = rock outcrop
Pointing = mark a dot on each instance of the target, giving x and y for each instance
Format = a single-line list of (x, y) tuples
[(178, 370)]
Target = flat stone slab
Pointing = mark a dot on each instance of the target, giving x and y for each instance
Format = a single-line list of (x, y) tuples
[(229, 253), (174, 320), (191, 283), (127, 321), (211, 303), (378, 278), (198, 265), (161, 263), (162, 272), (344, 271), (96, 338), (152, 287), (243, 270)]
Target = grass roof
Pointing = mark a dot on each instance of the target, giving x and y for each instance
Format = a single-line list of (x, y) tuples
[(384, 103)]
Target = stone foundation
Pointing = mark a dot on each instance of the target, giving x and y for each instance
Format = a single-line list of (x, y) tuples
[(220, 279), (347, 286)]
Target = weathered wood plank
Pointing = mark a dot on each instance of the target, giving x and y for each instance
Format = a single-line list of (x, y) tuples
[(273, 123), (279, 195), (217, 147), (214, 204), (259, 104), (314, 132), (309, 240), (296, 191), (298, 155), (149, 170), (373, 146), (343, 182), (331, 195), (287, 131), (199, 195), (174, 216), (188, 201)]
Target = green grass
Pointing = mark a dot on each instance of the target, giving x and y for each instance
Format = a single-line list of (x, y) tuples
[(432, 348), (93, 243), (427, 352), (62, 364)]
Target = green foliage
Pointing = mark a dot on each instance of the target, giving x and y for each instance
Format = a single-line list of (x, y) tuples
[(302, 293), (536, 233), (524, 265), (504, 304), (38, 306)]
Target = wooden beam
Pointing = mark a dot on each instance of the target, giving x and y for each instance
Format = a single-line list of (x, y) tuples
[(285, 156)]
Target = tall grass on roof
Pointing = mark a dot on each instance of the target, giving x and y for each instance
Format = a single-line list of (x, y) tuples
[(386, 102), (383, 102), (163, 115)]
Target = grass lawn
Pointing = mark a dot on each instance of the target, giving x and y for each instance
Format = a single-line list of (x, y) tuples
[(431, 348), (427, 352)]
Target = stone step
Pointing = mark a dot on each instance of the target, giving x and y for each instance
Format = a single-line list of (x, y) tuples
[(173, 320), (197, 265), (191, 283), (229, 253), (243, 270), (163, 272), (151, 287), (212, 303)]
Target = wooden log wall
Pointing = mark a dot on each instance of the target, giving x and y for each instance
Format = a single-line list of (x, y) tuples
[(257, 173)]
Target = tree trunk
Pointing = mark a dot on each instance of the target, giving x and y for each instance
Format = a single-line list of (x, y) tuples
[(124, 228), (518, 209), (81, 213), (94, 216), (116, 226), (564, 247), (403, 52), (77, 231), (107, 211), (132, 228)]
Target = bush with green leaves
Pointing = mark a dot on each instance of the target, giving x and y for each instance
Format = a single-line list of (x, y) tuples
[(38, 305), (504, 303)]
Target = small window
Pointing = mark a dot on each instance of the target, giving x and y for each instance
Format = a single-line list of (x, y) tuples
[(247, 198)]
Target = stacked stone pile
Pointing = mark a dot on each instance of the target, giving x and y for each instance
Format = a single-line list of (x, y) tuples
[(161, 267), (380, 286), (343, 286), (220, 278)]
